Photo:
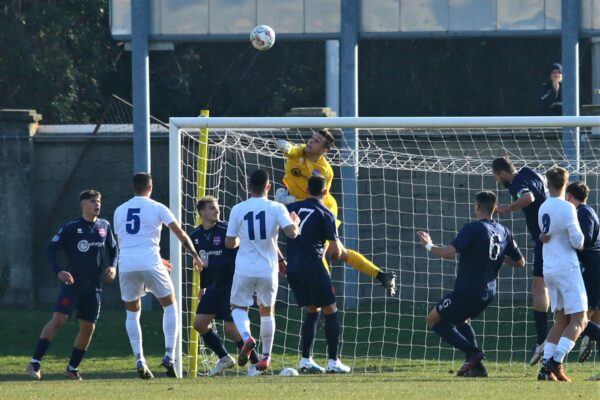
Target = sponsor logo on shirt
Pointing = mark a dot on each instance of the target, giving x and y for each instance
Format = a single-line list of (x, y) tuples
[(316, 172), (205, 254), (83, 245), (79, 230), (217, 240)]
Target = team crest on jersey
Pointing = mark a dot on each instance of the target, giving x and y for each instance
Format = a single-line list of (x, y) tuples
[(102, 232), (83, 246), (296, 172), (217, 240), (316, 172)]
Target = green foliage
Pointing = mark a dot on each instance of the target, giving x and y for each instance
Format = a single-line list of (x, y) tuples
[(56, 57)]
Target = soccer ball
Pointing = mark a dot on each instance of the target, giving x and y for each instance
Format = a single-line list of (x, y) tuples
[(288, 372), (262, 37)]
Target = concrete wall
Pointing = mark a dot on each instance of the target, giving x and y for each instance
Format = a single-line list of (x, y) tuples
[(17, 127)]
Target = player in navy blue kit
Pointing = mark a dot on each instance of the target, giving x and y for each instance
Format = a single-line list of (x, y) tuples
[(483, 246), (89, 246), (215, 281), (577, 194), (528, 190), (309, 279)]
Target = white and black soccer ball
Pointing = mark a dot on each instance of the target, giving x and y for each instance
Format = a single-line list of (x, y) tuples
[(288, 372), (262, 37)]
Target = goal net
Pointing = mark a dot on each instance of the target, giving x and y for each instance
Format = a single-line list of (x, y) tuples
[(405, 180)]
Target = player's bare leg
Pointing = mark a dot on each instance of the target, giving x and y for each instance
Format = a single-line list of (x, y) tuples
[(203, 324), (82, 342), (541, 303), (48, 333), (134, 331), (588, 345), (561, 339)]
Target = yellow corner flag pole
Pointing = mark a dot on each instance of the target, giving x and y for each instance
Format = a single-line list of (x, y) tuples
[(200, 192)]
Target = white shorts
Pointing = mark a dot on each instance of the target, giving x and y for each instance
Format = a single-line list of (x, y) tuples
[(566, 290), (244, 287), (135, 284)]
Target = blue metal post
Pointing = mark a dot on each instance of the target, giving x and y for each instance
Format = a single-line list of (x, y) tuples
[(140, 76), (349, 148), (332, 75), (140, 20), (570, 10)]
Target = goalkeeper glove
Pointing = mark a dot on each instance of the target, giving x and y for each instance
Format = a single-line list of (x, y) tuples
[(283, 145), (282, 196)]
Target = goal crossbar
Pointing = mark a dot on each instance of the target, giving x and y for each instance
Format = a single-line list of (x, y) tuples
[(386, 122)]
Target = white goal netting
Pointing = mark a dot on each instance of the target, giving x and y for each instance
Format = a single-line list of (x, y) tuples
[(408, 180)]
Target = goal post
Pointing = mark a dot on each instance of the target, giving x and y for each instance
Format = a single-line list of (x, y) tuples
[(408, 174)]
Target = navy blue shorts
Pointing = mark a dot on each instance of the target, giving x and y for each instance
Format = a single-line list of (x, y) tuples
[(312, 289), (215, 301), (538, 260), (87, 302), (591, 280), (460, 307)]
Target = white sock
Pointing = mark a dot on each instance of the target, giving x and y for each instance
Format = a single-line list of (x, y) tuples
[(267, 334), (170, 328), (564, 346), (549, 349), (134, 331), (242, 323)]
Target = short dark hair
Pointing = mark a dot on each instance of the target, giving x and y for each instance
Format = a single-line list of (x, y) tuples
[(204, 201), (579, 190), (258, 181), (557, 177), (486, 200), (329, 139), (316, 185), (141, 182), (89, 194), (503, 164)]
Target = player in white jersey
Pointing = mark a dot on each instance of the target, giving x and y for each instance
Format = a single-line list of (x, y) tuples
[(561, 236), (254, 226), (138, 223)]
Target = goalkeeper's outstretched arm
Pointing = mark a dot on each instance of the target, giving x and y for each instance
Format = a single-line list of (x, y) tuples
[(283, 145)]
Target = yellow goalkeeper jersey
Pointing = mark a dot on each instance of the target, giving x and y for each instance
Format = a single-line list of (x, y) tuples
[(297, 171)]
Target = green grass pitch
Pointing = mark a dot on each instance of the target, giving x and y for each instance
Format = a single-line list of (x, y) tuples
[(108, 370)]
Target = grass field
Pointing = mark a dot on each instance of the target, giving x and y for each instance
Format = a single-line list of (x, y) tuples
[(108, 372)]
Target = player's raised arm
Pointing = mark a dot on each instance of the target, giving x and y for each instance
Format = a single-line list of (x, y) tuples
[(187, 244), (291, 230), (525, 200), (447, 252)]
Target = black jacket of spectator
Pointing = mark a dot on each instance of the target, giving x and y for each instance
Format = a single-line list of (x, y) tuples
[(550, 100)]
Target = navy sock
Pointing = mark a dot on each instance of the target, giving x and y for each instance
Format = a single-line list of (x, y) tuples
[(41, 348), (541, 325), (253, 354), (449, 333), (76, 357), (309, 329), (332, 333), (214, 343), (592, 330), (467, 331)]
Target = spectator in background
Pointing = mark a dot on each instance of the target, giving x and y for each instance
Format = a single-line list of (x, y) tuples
[(550, 97)]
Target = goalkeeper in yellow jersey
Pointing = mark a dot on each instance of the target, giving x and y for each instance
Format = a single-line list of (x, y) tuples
[(303, 161)]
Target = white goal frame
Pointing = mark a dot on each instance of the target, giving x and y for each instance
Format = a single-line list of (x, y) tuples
[(178, 123)]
